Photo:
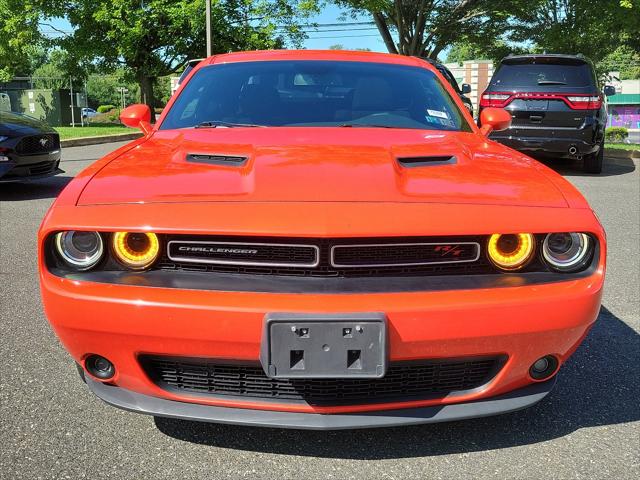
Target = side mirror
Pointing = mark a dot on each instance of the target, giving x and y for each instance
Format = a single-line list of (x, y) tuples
[(609, 90), (494, 119), (466, 88), (137, 116)]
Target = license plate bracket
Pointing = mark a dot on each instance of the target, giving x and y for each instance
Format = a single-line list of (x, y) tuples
[(350, 345)]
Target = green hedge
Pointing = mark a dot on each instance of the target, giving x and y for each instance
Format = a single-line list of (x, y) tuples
[(616, 134), (106, 108)]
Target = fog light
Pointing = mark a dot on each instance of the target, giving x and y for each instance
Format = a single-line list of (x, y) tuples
[(544, 367), (99, 367)]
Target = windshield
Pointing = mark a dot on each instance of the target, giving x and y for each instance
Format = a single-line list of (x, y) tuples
[(314, 93)]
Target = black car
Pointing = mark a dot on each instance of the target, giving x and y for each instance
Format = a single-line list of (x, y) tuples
[(557, 108), (29, 149), (461, 90)]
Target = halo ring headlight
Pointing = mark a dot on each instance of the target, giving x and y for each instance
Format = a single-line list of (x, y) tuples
[(134, 250), (566, 251), (511, 251), (79, 249)]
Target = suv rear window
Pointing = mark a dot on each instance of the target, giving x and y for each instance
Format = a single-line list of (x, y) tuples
[(540, 73)]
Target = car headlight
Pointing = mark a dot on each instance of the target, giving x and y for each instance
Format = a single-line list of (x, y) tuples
[(136, 251), (511, 251), (80, 250), (566, 251)]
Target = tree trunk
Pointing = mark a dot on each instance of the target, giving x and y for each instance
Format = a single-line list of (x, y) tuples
[(146, 94), (381, 23)]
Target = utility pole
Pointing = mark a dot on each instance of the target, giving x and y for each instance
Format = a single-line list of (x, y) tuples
[(73, 120), (208, 20)]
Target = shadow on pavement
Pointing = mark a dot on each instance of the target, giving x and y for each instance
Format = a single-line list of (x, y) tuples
[(612, 167), (45, 188), (598, 386)]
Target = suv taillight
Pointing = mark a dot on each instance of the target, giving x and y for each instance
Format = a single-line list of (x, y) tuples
[(584, 102), (574, 101), (494, 99)]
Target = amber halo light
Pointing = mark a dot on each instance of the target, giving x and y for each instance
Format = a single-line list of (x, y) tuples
[(134, 250), (511, 251)]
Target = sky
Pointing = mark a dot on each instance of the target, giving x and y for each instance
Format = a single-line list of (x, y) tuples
[(356, 36), (350, 37)]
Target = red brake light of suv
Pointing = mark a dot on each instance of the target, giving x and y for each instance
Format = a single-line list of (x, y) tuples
[(575, 101)]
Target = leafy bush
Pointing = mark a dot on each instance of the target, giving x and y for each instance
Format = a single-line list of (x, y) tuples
[(105, 108), (616, 134)]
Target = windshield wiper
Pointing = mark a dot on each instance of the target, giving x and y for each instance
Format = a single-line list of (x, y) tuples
[(551, 82), (219, 123)]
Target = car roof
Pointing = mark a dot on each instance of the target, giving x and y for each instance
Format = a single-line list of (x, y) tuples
[(319, 55)]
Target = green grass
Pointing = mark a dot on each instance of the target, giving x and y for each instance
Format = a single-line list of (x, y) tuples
[(622, 146), (94, 130)]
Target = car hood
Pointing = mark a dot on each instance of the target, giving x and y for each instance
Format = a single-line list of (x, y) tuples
[(321, 165), (15, 124)]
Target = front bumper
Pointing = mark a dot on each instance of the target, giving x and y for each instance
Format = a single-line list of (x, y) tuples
[(139, 403), (123, 322), (30, 167)]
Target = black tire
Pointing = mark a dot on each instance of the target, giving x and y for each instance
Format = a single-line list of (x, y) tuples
[(593, 163)]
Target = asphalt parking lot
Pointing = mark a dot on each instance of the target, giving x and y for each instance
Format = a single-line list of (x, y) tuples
[(51, 427)]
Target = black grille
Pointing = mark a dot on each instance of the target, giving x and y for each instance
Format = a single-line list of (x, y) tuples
[(383, 257), (38, 144), (220, 252), (403, 381)]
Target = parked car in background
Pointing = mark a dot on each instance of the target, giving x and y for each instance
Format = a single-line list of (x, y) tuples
[(324, 240), (29, 148), (88, 113), (461, 90), (189, 65), (557, 107)]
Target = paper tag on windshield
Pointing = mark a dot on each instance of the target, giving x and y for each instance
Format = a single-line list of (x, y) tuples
[(437, 113)]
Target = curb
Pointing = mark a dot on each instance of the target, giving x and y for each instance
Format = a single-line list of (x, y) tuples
[(118, 137), (625, 154)]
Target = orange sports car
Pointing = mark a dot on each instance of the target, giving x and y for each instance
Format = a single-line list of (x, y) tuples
[(320, 240)]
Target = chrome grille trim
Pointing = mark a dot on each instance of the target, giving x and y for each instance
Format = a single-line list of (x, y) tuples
[(178, 258), (409, 264)]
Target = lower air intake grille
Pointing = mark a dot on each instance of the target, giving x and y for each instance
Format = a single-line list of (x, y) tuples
[(403, 381)]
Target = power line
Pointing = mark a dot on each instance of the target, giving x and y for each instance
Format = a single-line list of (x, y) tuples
[(346, 36), (343, 30), (308, 26)]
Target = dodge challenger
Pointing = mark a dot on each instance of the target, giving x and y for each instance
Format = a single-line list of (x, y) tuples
[(319, 240)]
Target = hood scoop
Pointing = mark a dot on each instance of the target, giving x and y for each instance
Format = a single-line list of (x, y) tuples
[(224, 160), (411, 162)]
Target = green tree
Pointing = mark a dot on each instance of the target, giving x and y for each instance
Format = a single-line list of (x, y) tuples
[(497, 50), (426, 27), (105, 89), (55, 71), (592, 28), (624, 60), (153, 38), (20, 38)]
